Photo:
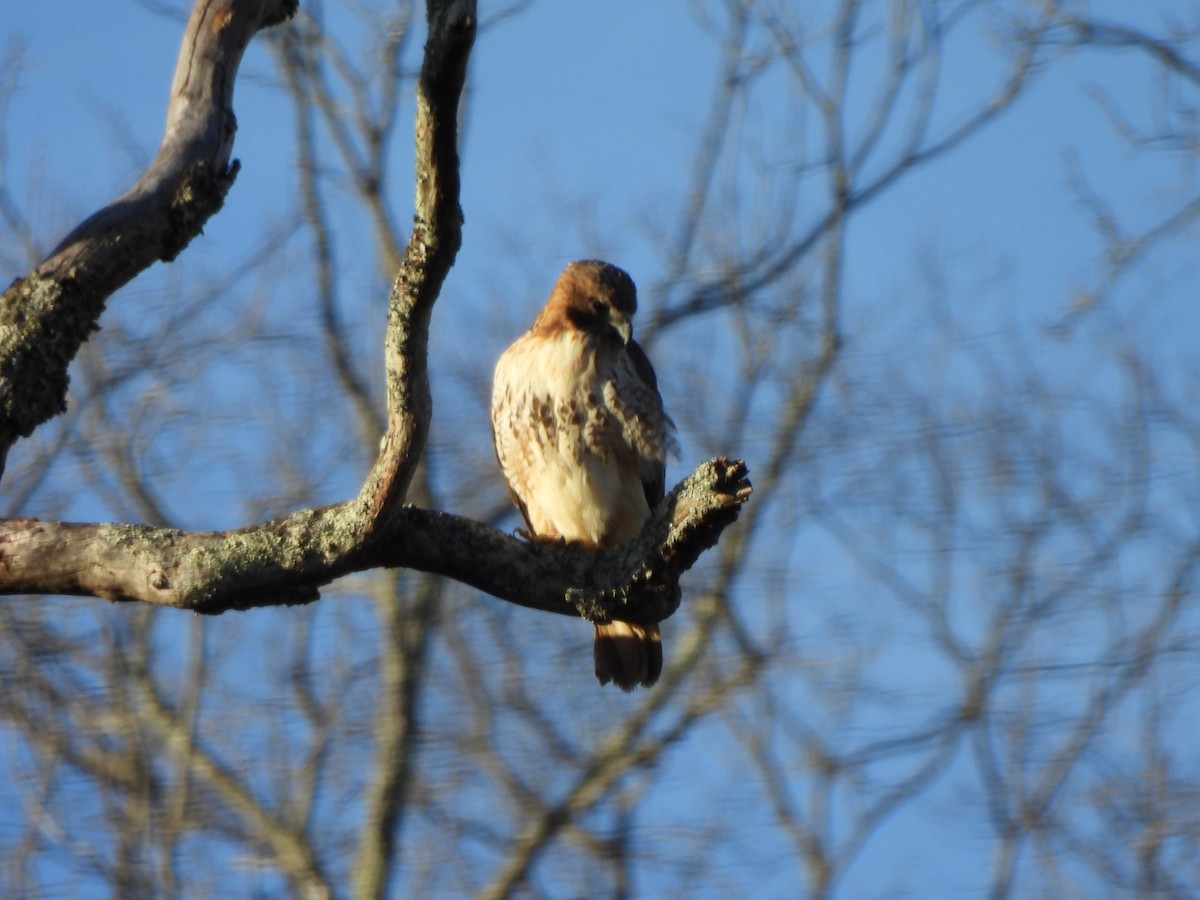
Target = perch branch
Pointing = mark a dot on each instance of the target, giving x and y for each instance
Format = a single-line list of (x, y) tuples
[(287, 560)]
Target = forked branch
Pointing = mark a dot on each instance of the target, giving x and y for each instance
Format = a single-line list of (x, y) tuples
[(48, 315)]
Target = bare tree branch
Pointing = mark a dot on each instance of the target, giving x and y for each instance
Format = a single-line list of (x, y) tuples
[(46, 316), (284, 561), (432, 247)]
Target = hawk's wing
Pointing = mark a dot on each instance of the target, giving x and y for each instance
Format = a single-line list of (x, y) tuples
[(648, 428)]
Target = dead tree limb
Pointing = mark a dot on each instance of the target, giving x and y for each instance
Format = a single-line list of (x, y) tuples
[(46, 316)]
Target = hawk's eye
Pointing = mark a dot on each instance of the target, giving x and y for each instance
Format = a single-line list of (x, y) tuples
[(599, 307)]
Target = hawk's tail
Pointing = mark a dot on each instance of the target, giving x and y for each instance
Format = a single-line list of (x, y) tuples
[(627, 654)]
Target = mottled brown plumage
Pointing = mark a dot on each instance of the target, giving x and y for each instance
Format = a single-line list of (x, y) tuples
[(582, 437)]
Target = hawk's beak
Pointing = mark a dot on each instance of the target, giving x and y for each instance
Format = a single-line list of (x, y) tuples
[(622, 325)]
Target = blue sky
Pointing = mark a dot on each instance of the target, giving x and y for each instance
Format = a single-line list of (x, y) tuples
[(624, 87)]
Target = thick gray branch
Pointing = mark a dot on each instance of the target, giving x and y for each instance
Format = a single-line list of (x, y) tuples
[(287, 560)]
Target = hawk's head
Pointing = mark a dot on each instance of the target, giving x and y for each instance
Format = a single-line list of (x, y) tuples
[(595, 297)]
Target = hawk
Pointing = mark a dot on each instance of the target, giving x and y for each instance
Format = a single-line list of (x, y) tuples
[(582, 438)]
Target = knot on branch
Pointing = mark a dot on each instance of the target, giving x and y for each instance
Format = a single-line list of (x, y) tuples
[(639, 600)]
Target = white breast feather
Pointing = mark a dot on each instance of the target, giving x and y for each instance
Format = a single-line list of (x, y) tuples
[(566, 444)]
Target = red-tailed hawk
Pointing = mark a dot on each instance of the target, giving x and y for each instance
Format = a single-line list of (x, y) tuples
[(582, 437)]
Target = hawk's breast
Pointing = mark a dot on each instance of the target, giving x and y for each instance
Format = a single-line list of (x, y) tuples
[(566, 439)]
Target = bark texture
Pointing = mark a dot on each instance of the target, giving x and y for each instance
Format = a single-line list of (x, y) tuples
[(287, 560)]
